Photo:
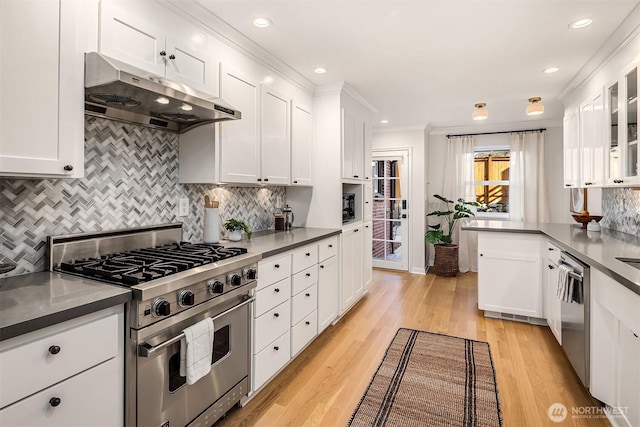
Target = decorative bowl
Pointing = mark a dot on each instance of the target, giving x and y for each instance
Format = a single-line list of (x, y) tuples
[(586, 219)]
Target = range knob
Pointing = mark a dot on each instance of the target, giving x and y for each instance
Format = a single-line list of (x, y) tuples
[(234, 279), (186, 298), (250, 273), (215, 287), (161, 307)]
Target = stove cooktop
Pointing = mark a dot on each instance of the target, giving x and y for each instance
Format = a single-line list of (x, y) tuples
[(142, 265)]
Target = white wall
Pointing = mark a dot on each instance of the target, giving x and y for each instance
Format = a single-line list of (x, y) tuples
[(414, 140)]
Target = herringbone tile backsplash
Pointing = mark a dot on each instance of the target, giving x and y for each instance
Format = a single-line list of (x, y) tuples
[(621, 210), (131, 179)]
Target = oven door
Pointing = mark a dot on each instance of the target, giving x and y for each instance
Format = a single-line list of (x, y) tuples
[(163, 397)]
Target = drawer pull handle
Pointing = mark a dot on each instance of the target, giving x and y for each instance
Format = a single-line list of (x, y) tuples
[(307, 295), (307, 254), (54, 349), (308, 274), (307, 323), (276, 290), (551, 249), (276, 348), (277, 266), (54, 401), (276, 315)]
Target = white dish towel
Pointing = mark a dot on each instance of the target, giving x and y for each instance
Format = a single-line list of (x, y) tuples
[(195, 350), (565, 283)]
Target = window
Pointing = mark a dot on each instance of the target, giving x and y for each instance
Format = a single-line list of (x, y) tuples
[(491, 176)]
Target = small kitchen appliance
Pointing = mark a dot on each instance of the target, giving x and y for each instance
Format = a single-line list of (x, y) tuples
[(288, 217), (348, 207), (174, 285)]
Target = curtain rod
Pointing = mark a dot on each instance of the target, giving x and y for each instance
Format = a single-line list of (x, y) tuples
[(494, 133)]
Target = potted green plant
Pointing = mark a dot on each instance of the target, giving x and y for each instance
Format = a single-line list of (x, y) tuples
[(236, 227), (445, 262)]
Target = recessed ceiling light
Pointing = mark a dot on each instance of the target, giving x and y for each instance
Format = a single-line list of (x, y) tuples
[(580, 23), (384, 122), (162, 100), (550, 70), (186, 107), (262, 22), (320, 70)]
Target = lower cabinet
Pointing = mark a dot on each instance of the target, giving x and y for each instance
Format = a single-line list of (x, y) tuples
[(615, 347), (552, 302), (352, 266), (367, 254), (510, 273), (295, 293), (69, 374)]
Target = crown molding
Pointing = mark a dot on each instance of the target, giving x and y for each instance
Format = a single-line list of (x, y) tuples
[(619, 39), (398, 129), (349, 90), (198, 15)]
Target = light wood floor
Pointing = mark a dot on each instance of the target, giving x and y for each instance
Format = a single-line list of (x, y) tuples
[(323, 385)]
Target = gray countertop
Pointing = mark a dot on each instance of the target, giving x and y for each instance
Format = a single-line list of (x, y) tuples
[(33, 301), (598, 249), (272, 242)]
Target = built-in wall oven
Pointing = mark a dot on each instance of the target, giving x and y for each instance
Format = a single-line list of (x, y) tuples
[(174, 285), (574, 313)]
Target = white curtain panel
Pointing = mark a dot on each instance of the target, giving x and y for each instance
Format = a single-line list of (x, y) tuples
[(527, 187), (458, 183)]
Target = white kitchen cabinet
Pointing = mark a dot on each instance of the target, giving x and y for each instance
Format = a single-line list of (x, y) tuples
[(615, 346), (271, 359), (74, 373), (136, 33), (552, 302), (367, 254), (510, 273), (57, 34), (328, 284), (368, 202), (275, 146), (301, 145), (592, 140), (352, 266), (352, 145), (571, 148), (240, 139)]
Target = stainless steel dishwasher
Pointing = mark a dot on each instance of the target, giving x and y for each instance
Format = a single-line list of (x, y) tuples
[(575, 318)]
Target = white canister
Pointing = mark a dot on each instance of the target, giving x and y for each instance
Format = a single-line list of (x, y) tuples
[(211, 225)]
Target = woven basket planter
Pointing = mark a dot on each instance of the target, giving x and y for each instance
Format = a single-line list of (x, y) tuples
[(445, 262)]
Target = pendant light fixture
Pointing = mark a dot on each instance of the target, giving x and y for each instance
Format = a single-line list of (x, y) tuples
[(535, 107), (480, 113)]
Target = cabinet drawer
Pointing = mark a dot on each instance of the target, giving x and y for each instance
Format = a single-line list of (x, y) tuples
[(79, 348), (273, 269), (304, 303), (304, 332), (271, 359), (328, 248), (305, 257), (270, 325), (553, 253), (271, 296), (304, 279), (91, 398)]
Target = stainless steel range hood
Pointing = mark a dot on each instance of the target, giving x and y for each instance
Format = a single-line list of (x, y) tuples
[(122, 92)]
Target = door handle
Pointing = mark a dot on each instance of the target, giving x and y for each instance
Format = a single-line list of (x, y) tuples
[(404, 216)]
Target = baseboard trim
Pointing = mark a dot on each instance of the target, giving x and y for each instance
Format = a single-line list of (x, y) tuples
[(515, 317)]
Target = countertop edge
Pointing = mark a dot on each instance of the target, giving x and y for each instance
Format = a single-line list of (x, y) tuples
[(296, 245), (51, 319), (627, 283)]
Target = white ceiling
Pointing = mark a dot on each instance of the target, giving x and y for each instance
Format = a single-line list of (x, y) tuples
[(420, 62)]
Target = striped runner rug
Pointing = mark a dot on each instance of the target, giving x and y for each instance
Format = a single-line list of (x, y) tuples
[(428, 379)]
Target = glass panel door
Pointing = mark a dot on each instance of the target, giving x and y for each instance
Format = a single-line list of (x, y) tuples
[(390, 225), (614, 149), (631, 134)]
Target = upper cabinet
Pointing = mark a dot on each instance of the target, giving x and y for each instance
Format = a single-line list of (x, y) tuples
[(571, 146), (592, 137), (275, 145), (140, 38), (622, 109), (356, 143), (57, 33), (301, 145)]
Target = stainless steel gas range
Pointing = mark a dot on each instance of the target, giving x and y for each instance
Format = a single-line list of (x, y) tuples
[(174, 285)]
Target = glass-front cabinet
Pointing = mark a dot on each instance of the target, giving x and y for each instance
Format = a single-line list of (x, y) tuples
[(622, 100)]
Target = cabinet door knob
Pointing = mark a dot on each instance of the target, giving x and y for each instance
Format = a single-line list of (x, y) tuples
[(295, 182), (308, 274), (481, 255), (276, 348), (551, 267), (588, 183), (259, 179), (307, 323), (307, 295), (307, 254), (172, 56), (266, 180), (355, 176), (356, 230), (568, 185), (276, 290), (163, 53), (276, 315), (322, 266), (330, 246), (54, 401), (277, 266), (551, 249), (68, 168), (54, 349)]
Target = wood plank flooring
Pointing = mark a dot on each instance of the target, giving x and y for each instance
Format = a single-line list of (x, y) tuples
[(323, 385)]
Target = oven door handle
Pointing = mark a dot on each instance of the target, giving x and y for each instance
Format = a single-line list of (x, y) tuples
[(145, 350)]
